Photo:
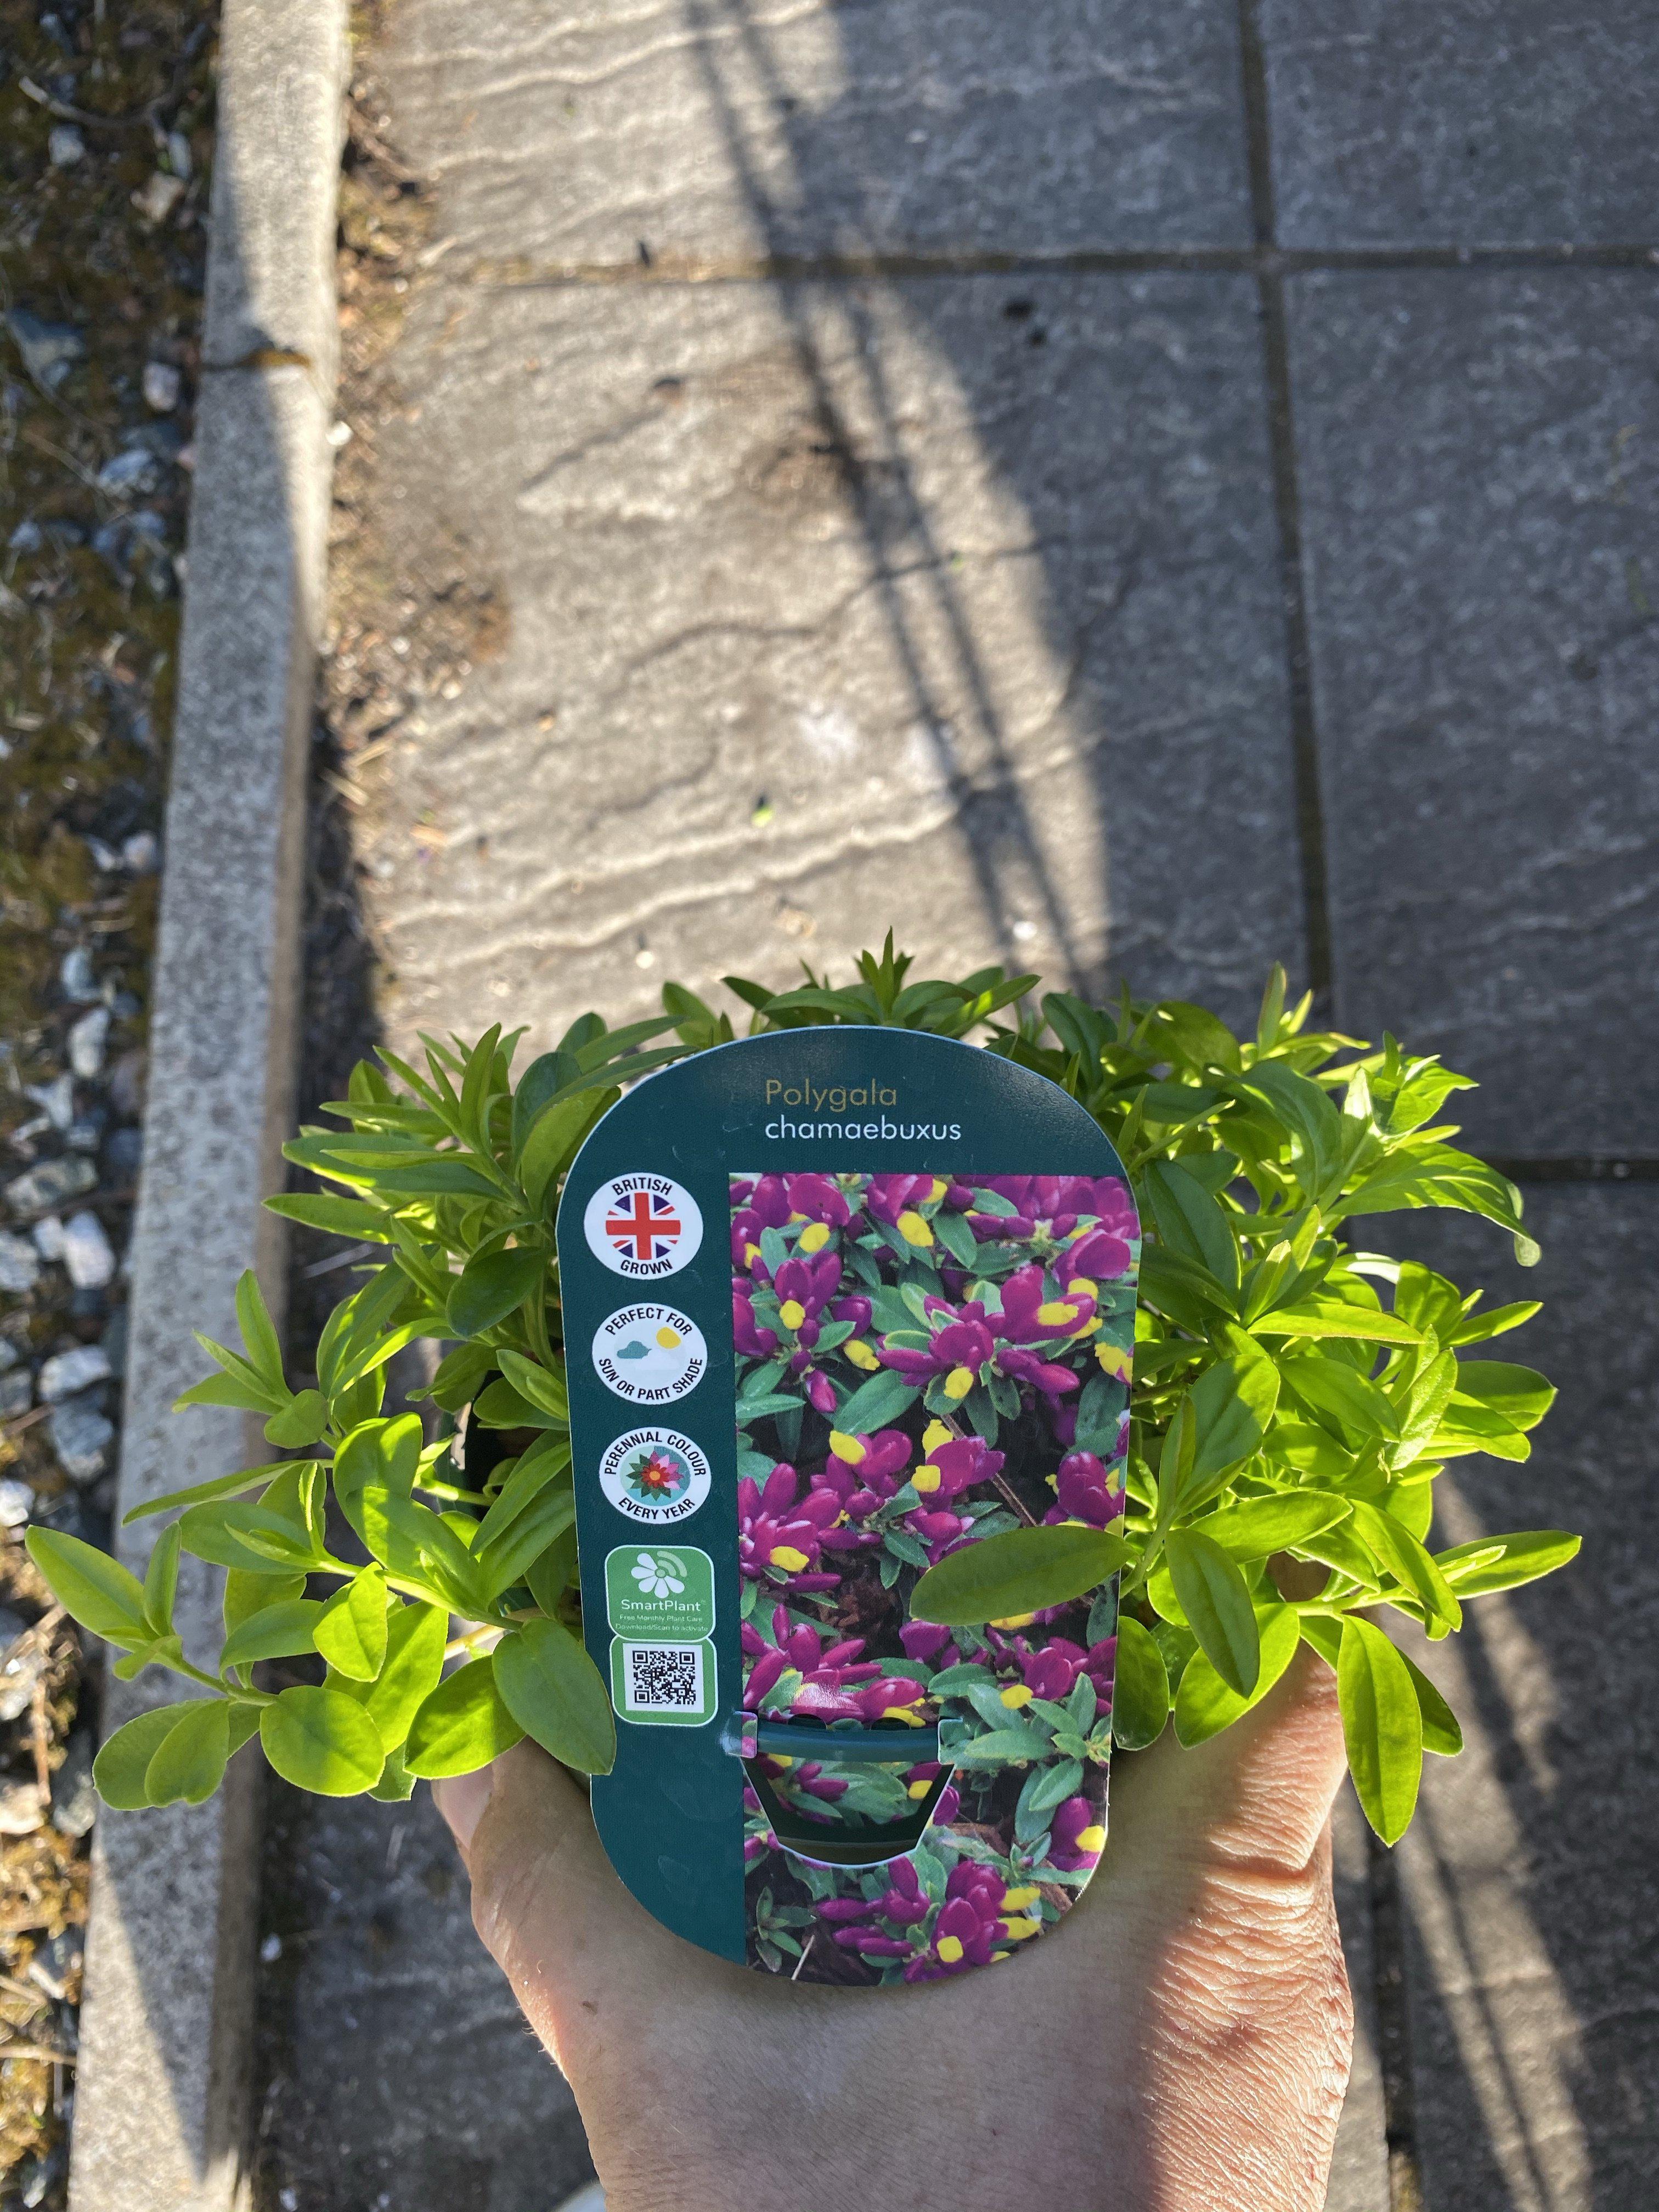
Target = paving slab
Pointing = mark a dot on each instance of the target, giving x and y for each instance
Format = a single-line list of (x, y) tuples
[(1478, 456), (397, 2066), (699, 131), (1410, 122), (1359, 2162), (1529, 1880), (950, 604)]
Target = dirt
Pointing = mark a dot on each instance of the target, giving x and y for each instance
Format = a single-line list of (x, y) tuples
[(97, 105)]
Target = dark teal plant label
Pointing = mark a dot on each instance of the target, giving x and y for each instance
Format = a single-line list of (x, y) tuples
[(855, 1298)]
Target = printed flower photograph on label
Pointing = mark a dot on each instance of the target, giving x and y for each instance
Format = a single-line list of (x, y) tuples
[(923, 1362)]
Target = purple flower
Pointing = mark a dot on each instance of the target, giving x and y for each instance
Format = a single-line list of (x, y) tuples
[(779, 1533), (1077, 1837), (1084, 1490)]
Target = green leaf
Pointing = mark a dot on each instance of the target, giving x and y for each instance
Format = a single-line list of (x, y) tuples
[(501, 1406), (351, 1629), (1302, 1108), (1205, 1705), (1437, 1175), (1141, 1687), (1190, 1222), (322, 1742), (442, 1177), (1382, 1725), (1216, 1600), (247, 1594), (415, 1637), (1440, 1733), (264, 1346), (508, 1557), (1478, 1327), (543, 1387), (1317, 1317), (223, 1486), (1393, 1545), (188, 1764), (877, 1404), (1002, 1747), (301, 1421), (386, 1454), (286, 1629), (1519, 1395), (494, 1286), (1232, 1403), (462, 1725), (553, 1140), (1257, 1526), (1021, 1570), (161, 1582), (1335, 1393), (336, 1217), (397, 1784), (1521, 1557), (246, 1536), (91, 1587), (557, 1695), (120, 1767)]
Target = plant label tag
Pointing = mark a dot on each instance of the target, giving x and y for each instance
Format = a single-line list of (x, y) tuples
[(856, 1298)]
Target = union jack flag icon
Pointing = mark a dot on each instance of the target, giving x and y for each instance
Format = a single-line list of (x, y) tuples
[(649, 1228)]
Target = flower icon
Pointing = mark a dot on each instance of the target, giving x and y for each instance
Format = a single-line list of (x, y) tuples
[(658, 1474), (656, 1576)]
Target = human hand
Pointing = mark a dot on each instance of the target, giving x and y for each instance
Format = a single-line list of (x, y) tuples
[(1179, 2043)]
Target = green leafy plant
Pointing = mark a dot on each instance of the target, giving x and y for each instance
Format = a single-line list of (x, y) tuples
[(1294, 1398)]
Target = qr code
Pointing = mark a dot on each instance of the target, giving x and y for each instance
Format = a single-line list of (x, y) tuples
[(664, 1678)]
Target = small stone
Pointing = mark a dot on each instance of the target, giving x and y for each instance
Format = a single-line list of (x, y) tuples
[(126, 1086), (57, 1096), (16, 1393), (86, 1043), (49, 350), (139, 853), (9, 1355), (104, 858), (81, 1436), (19, 1263), (19, 1672), (16, 1502), (68, 1372), (270, 1950), (56, 1961), (49, 1237), (179, 157), (162, 387), (22, 1807), (135, 468), (158, 198), (86, 1133), (53, 1183), (65, 147), (74, 1800), (75, 978), (86, 1253), (28, 537)]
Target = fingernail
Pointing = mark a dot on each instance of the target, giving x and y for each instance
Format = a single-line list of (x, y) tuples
[(461, 1799)]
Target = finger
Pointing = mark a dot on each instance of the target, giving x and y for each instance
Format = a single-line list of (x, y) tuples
[(1260, 1791)]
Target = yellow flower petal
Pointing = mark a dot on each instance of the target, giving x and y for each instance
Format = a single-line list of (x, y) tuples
[(1017, 1930), (860, 1354), (1090, 1839), (847, 1447), (1057, 1312), (924, 1479), (1015, 1621), (1115, 1361), (787, 1556), (933, 1436), (814, 1237), (1017, 1695), (949, 1949), (912, 1229), (940, 1188), (792, 1313), (959, 1383), (1081, 1288), (920, 1788), (1016, 1900)]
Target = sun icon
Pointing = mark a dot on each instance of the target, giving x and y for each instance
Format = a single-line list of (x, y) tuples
[(668, 1338)]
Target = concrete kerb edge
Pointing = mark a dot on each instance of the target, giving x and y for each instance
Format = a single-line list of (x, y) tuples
[(162, 2107)]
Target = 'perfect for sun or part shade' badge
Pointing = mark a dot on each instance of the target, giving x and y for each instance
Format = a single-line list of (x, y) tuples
[(650, 1354), (654, 1474), (643, 1226)]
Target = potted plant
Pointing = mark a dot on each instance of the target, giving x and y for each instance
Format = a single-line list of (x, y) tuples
[(1294, 1398)]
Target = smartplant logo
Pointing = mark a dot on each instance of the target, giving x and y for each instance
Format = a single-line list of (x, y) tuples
[(658, 1591)]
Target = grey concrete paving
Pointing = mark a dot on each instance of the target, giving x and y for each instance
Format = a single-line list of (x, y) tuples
[(1478, 460), (398, 2068), (1476, 123), (702, 131), (840, 593), (973, 625), (1530, 1880)]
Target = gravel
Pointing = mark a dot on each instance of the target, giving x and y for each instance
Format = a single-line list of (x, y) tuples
[(68, 1372), (51, 1183), (87, 1252), (81, 1434), (86, 1043), (19, 1263), (74, 1800)]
